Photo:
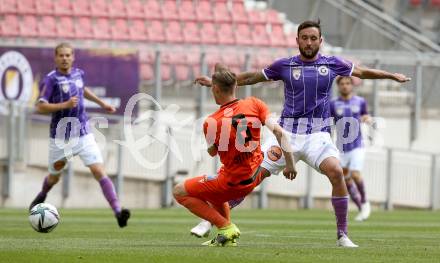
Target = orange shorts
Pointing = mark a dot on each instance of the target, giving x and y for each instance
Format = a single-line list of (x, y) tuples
[(214, 190)]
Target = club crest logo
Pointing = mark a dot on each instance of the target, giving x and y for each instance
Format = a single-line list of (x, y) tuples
[(79, 83), (339, 111), (16, 79), (65, 87), (296, 73), (323, 70)]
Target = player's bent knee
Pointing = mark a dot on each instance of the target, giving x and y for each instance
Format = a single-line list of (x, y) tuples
[(59, 165), (179, 190)]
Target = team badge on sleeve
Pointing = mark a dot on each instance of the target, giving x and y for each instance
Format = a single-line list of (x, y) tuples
[(274, 153), (296, 73)]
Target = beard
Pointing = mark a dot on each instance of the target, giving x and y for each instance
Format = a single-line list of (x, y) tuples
[(309, 53)]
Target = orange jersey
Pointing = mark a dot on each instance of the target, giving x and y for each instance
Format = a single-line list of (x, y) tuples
[(235, 130)]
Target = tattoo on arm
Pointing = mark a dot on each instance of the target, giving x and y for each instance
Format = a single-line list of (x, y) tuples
[(250, 78)]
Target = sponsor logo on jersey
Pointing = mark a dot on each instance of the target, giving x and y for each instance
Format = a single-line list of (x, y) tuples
[(323, 70), (79, 83)]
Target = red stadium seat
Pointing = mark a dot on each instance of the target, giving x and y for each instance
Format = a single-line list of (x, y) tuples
[(173, 34), (212, 58), (156, 32), (101, 29), (277, 37), (65, 27), (44, 7), (209, 34), (147, 72), (435, 3), (204, 11), (81, 8), (120, 30), (239, 13), (28, 26), (169, 10), (234, 61), (135, 9), (262, 61), (191, 34), (257, 17), (83, 28), (193, 60), (186, 11), (152, 10), (137, 30), (273, 17), (291, 40), (243, 35), (226, 34), (63, 8), (26, 7), (221, 13), (8, 7), (415, 3), (260, 36), (47, 27), (117, 9), (10, 26), (99, 8), (181, 67)]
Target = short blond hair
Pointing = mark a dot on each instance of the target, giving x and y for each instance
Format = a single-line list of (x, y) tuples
[(63, 45), (224, 78)]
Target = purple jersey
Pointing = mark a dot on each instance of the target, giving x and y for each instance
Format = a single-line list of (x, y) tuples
[(307, 87), (354, 108), (58, 88)]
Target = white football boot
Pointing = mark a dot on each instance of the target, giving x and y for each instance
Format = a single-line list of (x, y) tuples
[(202, 229), (366, 210), (344, 241)]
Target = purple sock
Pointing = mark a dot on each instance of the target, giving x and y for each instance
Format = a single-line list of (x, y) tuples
[(44, 189), (352, 190), (361, 188), (234, 203), (340, 205), (109, 192)]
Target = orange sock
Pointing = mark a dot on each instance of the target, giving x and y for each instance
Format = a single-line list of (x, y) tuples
[(201, 209), (224, 210)]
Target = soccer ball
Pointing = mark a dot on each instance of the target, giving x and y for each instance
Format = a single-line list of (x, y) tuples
[(44, 217)]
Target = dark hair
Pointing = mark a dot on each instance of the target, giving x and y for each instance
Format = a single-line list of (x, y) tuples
[(63, 45), (224, 78), (310, 23), (339, 78)]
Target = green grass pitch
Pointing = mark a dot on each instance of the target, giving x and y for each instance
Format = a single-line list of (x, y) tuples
[(267, 236)]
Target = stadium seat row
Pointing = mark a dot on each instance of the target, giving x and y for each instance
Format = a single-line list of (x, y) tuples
[(152, 31), (184, 10), (184, 65)]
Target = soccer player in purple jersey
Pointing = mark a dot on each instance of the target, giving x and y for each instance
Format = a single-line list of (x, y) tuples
[(348, 105), (308, 79), (62, 95)]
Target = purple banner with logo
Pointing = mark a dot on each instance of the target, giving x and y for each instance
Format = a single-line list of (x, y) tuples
[(112, 74)]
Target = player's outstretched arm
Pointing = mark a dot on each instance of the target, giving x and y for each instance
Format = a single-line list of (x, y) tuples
[(44, 107), (88, 94), (283, 139), (243, 79), (368, 73)]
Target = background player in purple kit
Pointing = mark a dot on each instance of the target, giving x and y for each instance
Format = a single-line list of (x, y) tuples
[(62, 95), (308, 79), (348, 105)]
